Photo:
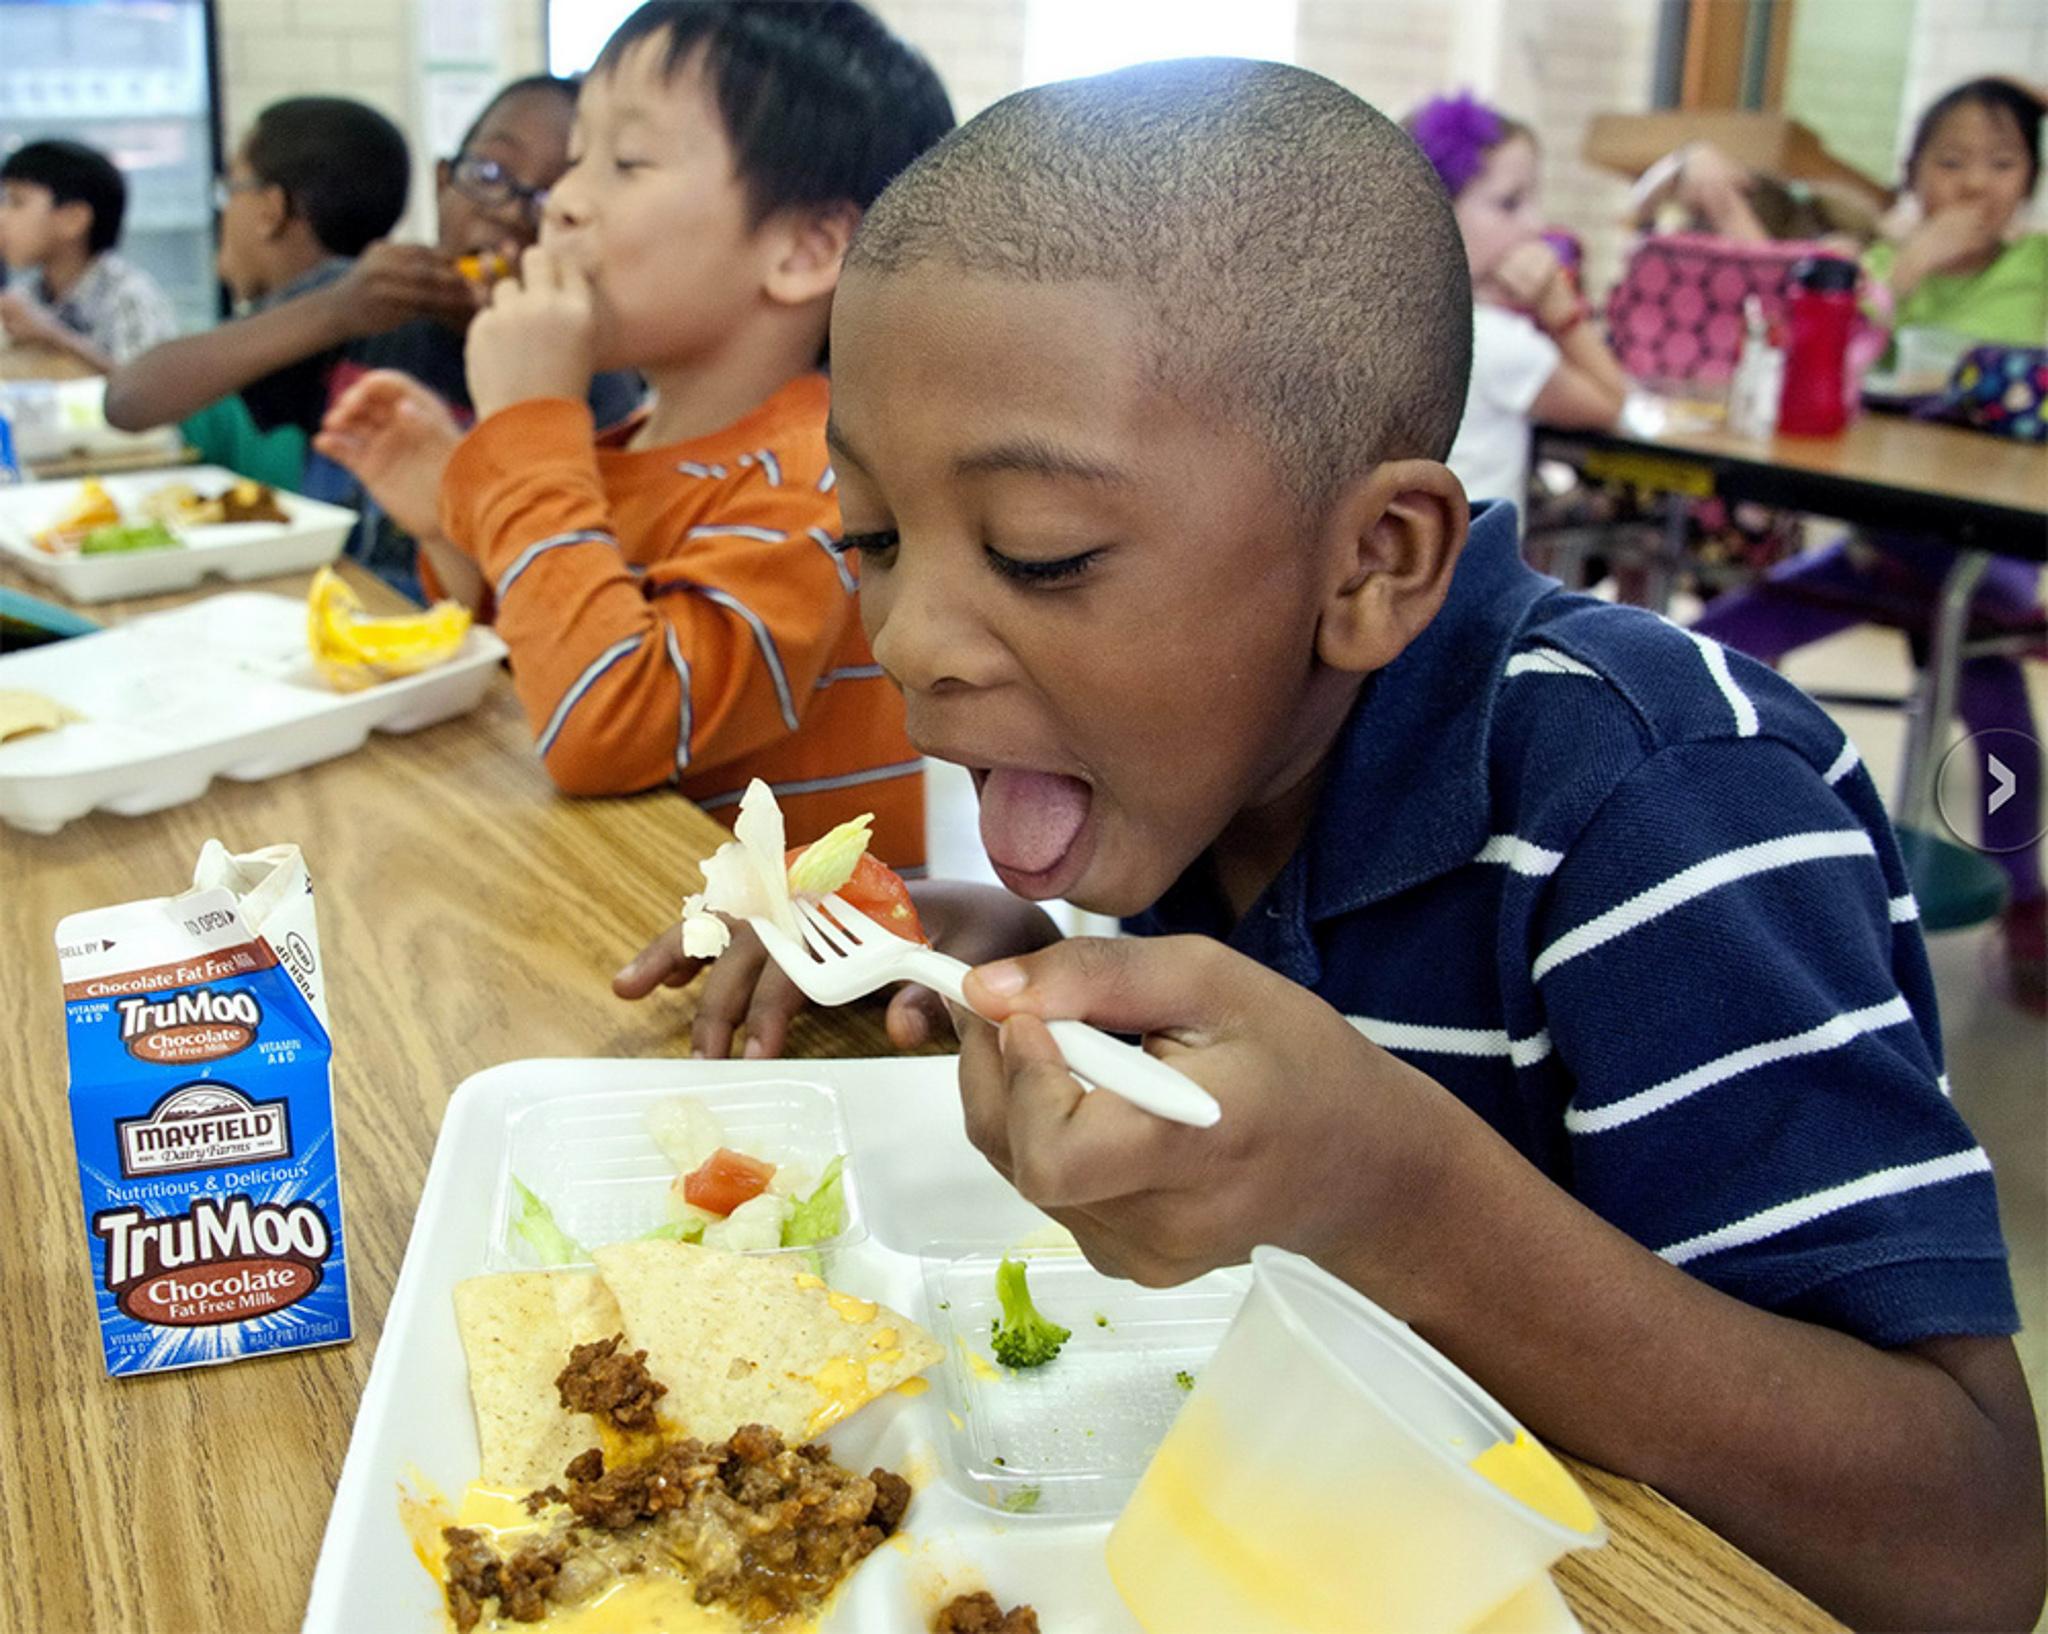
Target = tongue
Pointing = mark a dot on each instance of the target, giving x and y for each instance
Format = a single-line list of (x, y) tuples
[(1029, 819)]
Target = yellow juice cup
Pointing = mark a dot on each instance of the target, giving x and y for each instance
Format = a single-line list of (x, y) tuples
[(1332, 1474)]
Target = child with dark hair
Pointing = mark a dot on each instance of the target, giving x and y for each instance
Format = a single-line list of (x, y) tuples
[(61, 205), (675, 606), (313, 184), (395, 306), (1555, 970), (1536, 354), (1973, 164)]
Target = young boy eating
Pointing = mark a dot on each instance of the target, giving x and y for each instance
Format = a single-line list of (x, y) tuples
[(394, 306), (673, 602), (61, 205), (1555, 969), (315, 182)]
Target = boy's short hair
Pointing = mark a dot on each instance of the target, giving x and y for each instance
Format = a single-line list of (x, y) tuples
[(74, 174), (556, 84), (822, 104), (1305, 272), (343, 165)]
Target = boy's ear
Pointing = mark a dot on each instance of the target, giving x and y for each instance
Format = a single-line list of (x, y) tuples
[(1394, 539), (805, 252), (273, 210)]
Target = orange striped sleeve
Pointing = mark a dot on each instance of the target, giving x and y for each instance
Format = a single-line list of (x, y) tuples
[(630, 680)]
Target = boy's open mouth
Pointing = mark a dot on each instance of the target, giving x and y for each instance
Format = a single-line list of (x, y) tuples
[(1035, 828)]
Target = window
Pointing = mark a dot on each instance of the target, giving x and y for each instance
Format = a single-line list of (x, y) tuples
[(1064, 39)]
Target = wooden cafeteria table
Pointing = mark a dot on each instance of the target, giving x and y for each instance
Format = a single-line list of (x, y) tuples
[(468, 916)]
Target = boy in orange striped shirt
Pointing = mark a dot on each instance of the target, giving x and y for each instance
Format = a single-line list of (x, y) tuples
[(673, 596)]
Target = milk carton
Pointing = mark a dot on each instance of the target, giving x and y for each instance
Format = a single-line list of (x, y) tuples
[(204, 1119)]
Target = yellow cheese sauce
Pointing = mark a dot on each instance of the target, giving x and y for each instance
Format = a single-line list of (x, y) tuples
[(843, 1382), (977, 1364), (1525, 1471), (850, 1307), (655, 1601)]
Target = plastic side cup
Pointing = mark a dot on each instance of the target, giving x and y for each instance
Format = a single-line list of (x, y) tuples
[(1319, 1480), (1925, 357)]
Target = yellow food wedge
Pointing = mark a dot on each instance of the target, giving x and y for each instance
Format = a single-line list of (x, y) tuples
[(93, 508), (353, 649)]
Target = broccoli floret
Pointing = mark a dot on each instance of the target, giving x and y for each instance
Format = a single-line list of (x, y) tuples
[(1021, 1337), (1184, 1379)]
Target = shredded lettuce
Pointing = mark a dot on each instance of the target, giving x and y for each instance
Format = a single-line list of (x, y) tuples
[(821, 1216), (828, 863), (676, 1231), (535, 1222)]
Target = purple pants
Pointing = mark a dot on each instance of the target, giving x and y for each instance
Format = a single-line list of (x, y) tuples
[(1805, 600)]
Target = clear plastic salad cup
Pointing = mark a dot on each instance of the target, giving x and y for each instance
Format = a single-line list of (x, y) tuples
[(1321, 1479)]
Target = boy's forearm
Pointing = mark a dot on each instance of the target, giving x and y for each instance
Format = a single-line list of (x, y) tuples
[(454, 574), (1899, 1489), (182, 376), (1586, 352)]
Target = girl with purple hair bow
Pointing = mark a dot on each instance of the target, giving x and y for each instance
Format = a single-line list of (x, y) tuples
[(1534, 354)]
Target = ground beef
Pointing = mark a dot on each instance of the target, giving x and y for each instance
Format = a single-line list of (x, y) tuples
[(761, 1528), (601, 1381), (472, 1572), (527, 1581), (522, 1585), (615, 1499), (980, 1614), (892, 1497)]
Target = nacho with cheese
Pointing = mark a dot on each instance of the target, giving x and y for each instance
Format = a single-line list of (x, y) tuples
[(646, 1443), (756, 1338)]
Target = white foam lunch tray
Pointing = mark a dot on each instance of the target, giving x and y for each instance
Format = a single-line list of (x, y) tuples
[(227, 550), (933, 1218), (223, 687)]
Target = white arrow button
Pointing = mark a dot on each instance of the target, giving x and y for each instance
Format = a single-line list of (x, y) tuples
[(2003, 784)]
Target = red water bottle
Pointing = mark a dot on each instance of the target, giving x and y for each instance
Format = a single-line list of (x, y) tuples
[(1818, 319)]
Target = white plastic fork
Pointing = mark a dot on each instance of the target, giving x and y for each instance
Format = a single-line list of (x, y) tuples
[(845, 954)]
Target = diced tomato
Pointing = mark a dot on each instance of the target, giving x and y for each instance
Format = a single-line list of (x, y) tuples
[(726, 1179), (879, 892)]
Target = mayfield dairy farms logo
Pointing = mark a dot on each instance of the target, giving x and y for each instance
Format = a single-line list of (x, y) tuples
[(203, 1126), (189, 1028), (224, 1261)]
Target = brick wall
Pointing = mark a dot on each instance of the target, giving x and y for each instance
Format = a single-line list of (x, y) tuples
[(367, 49), (1551, 63)]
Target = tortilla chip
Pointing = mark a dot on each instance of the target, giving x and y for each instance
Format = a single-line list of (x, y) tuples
[(24, 712), (755, 1339), (518, 1328)]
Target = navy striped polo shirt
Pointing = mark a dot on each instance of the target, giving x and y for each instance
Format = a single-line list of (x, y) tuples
[(1633, 899)]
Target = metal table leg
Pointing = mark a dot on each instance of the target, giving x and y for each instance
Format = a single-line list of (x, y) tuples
[(1934, 698)]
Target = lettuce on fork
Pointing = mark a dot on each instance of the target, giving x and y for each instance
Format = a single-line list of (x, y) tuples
[(749, 876)]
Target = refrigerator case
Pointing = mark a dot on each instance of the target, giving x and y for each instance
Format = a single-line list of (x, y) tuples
[(135, 79)]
